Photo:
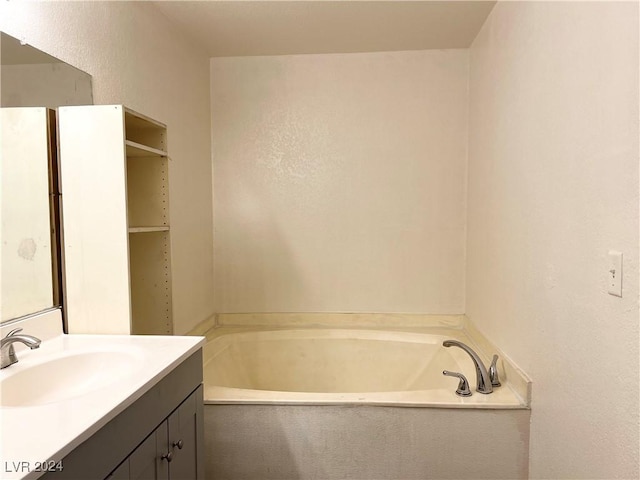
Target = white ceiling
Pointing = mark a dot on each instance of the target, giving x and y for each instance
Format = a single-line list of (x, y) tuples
[(241, 27)]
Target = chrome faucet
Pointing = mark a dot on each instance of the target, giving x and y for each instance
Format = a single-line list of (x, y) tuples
[(7, 352), (482, 375)]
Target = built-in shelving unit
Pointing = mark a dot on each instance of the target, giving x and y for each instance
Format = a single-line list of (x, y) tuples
[(115, 188)]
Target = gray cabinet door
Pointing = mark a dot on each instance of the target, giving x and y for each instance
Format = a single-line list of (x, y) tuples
[(174, 451), (149, 461), (183, 439), (120, 473)]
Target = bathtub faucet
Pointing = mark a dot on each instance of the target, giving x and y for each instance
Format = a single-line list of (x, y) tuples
[(482, 375)]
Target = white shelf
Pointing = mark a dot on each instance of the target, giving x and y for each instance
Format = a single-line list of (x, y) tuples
[(138, 150), (136, 120), (163, 228)]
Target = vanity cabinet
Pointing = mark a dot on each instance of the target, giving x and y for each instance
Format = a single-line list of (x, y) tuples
[(170, 452), (160, 436), (115, 216)]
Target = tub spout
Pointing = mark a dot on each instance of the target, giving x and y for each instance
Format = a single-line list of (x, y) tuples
[(483, 379)]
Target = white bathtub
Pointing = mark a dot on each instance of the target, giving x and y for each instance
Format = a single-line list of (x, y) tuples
[(338, 366), (331, 403)]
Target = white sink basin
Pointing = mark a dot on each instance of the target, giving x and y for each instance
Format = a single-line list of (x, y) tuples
[(57, 378)]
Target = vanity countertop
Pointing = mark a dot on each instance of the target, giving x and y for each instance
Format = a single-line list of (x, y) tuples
[(41, 433)]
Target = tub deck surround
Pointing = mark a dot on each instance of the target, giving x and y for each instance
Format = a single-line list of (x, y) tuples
[(49, 431), (334, 396), (338, 442), (336, 359)]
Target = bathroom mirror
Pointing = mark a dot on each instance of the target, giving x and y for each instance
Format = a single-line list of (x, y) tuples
[(30, 273)]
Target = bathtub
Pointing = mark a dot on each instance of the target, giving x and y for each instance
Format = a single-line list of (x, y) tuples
[(337, 403), (342, 366)]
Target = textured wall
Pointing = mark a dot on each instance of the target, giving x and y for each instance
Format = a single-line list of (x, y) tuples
[(44, 85), (553, 186), (340, 182), (137, 58)]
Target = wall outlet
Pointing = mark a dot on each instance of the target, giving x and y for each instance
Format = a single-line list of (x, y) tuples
[(615, 273)]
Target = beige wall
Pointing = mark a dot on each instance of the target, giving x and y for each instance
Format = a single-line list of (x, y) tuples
[(137, 58), (340, 182), (553, 185), (44, 85)]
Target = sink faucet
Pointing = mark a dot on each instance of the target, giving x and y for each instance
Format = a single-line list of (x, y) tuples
[(482, 375), (7, 352)]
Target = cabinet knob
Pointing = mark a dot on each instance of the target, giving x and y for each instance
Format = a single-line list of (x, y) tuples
[(179, 444), (167, 456)]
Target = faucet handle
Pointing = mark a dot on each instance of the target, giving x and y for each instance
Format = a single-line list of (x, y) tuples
[(493, 372), (463, 386), (13, 332)]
